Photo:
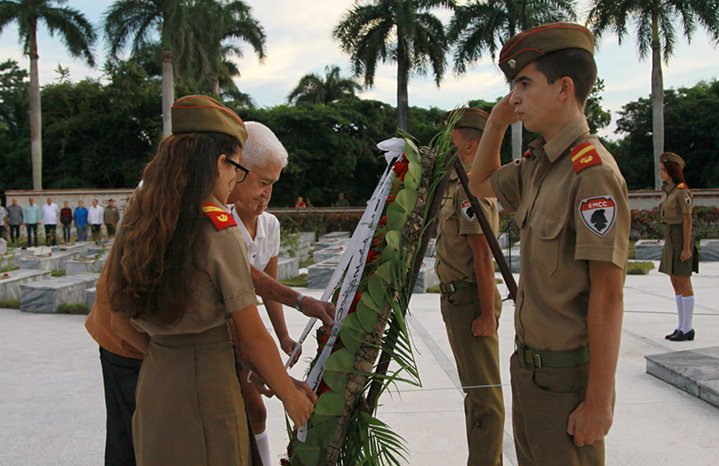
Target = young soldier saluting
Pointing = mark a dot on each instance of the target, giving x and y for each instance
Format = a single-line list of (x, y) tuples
[(470, 303), (571, 204)]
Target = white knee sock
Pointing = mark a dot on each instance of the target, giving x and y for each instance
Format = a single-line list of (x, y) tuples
[(263, 445), (688, 304), (680, 311)]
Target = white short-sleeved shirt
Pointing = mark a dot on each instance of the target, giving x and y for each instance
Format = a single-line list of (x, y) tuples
[(50, 214), (266, 244)]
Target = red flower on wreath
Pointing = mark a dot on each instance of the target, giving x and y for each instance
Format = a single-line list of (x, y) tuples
[(383, 221), (401, 167), (371, 256)]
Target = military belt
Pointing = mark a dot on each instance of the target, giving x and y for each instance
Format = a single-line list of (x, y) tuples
[(556, 359), (451, 287)]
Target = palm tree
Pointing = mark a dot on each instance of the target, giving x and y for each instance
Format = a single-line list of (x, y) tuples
[(76, 33), (231, 22), (144, 20), (313, 89), (401, 32), (655, 31), (484, 26)]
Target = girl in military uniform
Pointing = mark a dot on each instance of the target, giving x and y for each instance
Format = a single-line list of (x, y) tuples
[(180, 273), (678, 257)]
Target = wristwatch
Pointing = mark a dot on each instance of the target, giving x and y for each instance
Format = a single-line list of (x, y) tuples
[(298, 303)]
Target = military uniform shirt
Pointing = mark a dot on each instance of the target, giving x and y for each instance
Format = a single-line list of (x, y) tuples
[(566, 218), (224, 284), (676, 202), (455, 261)]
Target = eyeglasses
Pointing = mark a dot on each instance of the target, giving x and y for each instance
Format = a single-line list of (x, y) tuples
[(238, 168)]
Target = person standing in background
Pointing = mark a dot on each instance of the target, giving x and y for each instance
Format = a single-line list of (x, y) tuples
[(15, 219), (95, 218), (679, 257), (66, 220), (50, 217), (111, 217), (80, 216), (31, 214), (3, 220)]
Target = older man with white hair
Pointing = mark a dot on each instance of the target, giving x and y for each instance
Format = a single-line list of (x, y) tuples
[(265, 157)]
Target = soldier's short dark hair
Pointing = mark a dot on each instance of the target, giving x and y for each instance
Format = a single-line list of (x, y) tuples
[(577, 64)]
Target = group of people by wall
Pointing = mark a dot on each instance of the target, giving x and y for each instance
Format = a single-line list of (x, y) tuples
[(28, 219)]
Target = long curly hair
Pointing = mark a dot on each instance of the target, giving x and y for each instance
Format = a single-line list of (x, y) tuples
[(161, 243)]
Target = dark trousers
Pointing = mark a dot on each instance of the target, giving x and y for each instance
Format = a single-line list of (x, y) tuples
[(95, 232), (66, 232), (14, 233), (50, 236), (119, 375), (31, 234)]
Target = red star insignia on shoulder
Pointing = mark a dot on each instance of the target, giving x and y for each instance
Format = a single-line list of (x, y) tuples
[(583, 156), (218, 216), (682, 186)]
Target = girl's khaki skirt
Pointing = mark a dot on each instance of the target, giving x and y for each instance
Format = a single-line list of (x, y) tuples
[(189, 406), (671, 262)]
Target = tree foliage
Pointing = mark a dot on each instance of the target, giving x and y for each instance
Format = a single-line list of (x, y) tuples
[(692, 131), (313, 89)]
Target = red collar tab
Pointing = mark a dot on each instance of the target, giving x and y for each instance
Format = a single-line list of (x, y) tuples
[(682, 186), (583, 156), (527, 153), (219, 217)]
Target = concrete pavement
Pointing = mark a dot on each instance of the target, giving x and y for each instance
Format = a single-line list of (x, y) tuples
[(53, 412)]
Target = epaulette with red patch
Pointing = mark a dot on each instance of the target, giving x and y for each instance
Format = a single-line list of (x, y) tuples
[(583, 156), (682, 186), (218, 216)]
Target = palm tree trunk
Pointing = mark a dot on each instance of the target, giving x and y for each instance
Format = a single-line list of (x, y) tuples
[(168, 92), (657, 101), (35, 113), (402, 83)]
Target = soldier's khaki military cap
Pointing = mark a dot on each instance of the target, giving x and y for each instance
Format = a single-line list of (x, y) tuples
[(672, 157), (529, 46), (472, 118), (199, 113)]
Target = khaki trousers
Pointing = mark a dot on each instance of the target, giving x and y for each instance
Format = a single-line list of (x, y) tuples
[(542, 400), (477, 361)]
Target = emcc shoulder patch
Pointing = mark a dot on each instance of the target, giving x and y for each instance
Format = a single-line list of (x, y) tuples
[(467, 210), (598, 214), (583, 156), (218, 216)]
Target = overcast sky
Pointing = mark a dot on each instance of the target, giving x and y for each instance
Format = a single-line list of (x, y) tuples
[(299, 41)]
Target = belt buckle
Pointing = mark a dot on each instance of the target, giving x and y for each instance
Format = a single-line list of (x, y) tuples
[(537, 360)]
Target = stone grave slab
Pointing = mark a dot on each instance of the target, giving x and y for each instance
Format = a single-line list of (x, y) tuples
[(693, 371), (511, 256), (46, 295), (81, 247), (3, 247), (649, 249), (90, 297), (287, 267), (431, 250), (85, 264), (319, 274), (709, 250), (329, 243), (49, 261), (11, 281), (427, 276), (329, 253), (335, 235)]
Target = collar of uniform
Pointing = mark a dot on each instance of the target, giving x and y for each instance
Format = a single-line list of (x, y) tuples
[(667, 186), (217, 203), (259, 234), (565, 138)]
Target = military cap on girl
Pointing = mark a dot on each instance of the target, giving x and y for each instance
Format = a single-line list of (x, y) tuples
[(672, 157), (199, 113), (528, 46)]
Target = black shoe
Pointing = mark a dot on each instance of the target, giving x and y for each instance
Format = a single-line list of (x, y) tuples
[(671, 335), (681, 336)]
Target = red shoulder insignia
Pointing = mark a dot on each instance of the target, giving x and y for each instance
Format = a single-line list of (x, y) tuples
[(526, 154), (682, 186), (584, 155), (220, 218)]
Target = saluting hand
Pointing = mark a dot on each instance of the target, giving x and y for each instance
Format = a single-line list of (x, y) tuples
[(322, 310), (503, 112)]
